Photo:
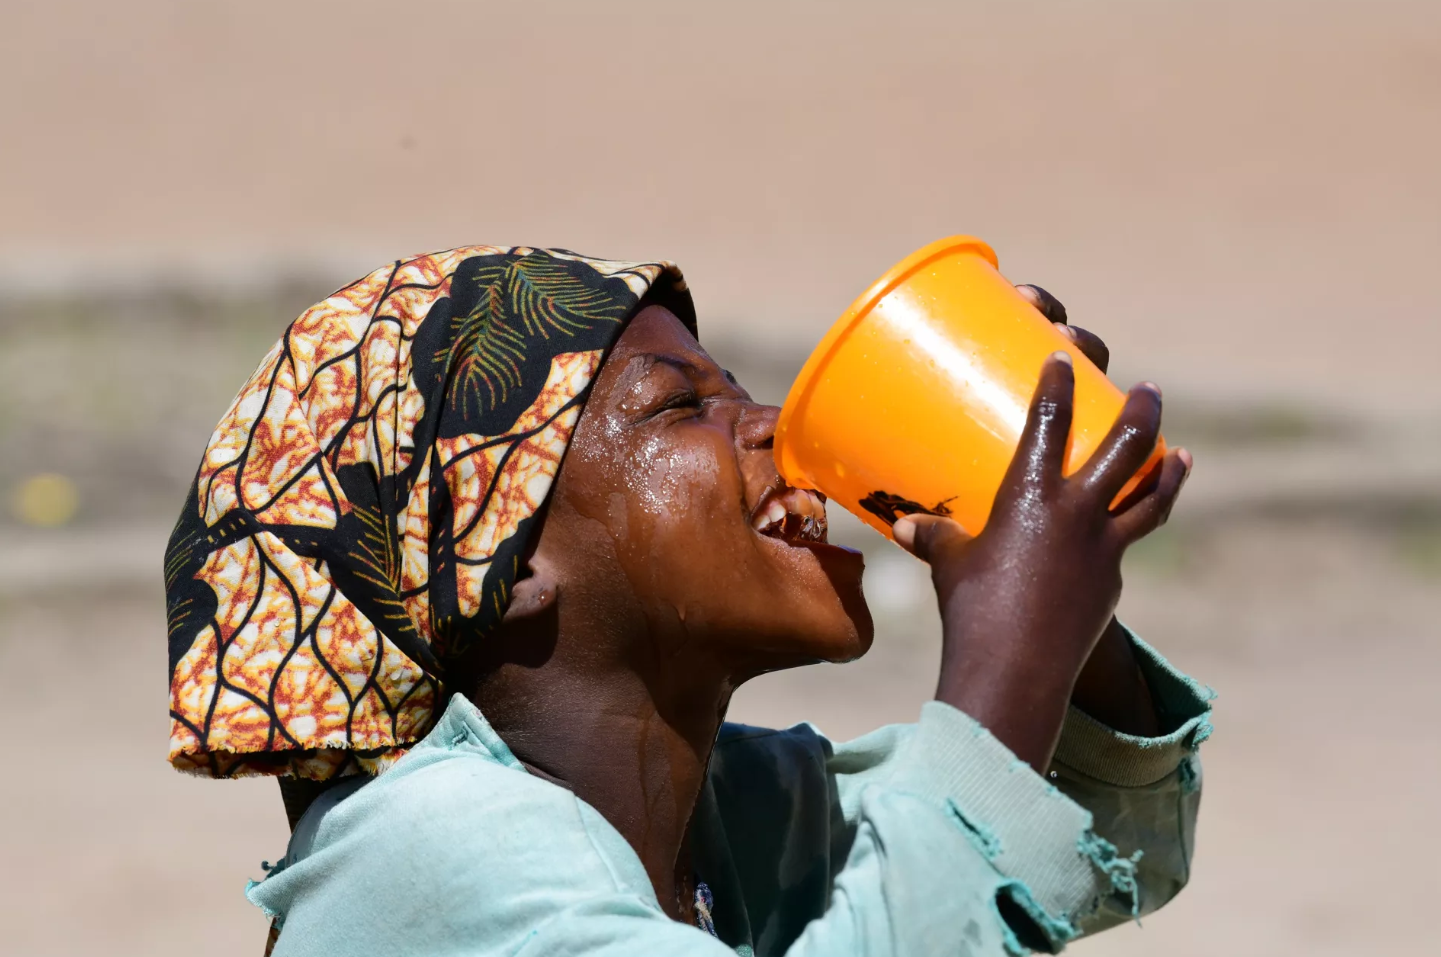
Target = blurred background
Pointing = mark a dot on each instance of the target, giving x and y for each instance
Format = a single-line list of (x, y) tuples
[(1242, 198)]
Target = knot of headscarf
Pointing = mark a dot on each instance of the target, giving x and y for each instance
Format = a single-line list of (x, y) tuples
[(361, 510)]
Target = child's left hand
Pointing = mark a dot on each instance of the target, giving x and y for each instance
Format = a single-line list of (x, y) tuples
[(1051, 307)]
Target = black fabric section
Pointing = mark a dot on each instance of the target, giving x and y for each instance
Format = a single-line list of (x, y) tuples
[(1028, 933), (760, 791), (189, 604)]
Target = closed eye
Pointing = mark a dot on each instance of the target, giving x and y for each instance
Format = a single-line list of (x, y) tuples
[(684, 399)]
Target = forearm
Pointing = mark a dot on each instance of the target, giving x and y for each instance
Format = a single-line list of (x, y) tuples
[(1112, 689)]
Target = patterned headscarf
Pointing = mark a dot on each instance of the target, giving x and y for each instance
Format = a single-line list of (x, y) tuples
[(361, 510)]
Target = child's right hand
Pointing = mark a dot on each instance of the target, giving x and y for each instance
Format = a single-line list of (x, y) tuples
[(1023, 603)]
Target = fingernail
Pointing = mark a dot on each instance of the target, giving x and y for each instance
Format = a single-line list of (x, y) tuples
[(1061, 356), (904, 532), (1186, 459), (1029, 291), (1066, 331), (1152, 386)]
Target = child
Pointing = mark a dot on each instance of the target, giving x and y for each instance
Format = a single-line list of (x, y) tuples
[(487, 543)]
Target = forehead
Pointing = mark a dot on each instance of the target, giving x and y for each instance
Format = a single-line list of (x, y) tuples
[(654, 336), (655, 329)]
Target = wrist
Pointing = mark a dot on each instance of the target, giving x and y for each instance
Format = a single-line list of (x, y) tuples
[(1011, 657), (1019, 696)]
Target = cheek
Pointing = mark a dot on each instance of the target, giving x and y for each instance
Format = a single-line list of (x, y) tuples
[(662, 478), (637, 484), (672, 483), (679, 513)]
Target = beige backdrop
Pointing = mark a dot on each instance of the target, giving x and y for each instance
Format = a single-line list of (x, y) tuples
[(1242, 197), (1246, 192)]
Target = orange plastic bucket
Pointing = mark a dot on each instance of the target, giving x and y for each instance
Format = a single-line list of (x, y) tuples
[(916, 399)]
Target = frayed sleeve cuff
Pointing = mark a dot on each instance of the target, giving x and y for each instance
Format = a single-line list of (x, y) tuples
[(1125, 760), (1058, 869)]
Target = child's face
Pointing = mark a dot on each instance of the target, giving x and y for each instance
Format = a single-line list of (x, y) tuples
[(663, 516)]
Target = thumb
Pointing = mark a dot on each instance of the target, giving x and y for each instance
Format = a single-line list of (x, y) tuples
[(929, 537)]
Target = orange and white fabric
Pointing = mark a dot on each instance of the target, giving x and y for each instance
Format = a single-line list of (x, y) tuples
[(360, 511)]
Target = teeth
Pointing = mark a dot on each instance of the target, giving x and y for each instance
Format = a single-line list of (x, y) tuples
[(795, 514), (772, 518)]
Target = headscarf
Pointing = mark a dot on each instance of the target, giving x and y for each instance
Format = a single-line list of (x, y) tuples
[(360, 513)]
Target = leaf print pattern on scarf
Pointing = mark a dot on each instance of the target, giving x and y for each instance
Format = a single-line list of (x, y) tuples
[(360, 511)]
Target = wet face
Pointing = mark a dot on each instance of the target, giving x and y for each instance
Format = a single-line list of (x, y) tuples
[(669, 520)]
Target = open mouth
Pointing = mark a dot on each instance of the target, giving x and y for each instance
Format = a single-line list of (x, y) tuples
[(792, 515)]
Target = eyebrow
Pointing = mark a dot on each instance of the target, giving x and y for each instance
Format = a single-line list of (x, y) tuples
[(639, 365), (677, 362)]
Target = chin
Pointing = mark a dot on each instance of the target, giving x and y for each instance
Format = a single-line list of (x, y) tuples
[(813, 608), (836, 637), (841, 627), (857, 642), (855, 631)]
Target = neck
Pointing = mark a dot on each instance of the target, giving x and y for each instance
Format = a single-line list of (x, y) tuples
[(632, 746)]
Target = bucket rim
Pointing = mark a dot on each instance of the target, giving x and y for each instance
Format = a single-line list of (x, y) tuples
[(799, 392)]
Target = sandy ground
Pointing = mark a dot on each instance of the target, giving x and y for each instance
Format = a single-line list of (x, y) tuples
[(1317, 837), (1240, 196)]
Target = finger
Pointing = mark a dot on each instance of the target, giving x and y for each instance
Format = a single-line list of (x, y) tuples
[(1042, 449), (1151, 512), (929, 537), (1127, 445), (1149, 480), (1049, 305), (1090, 344)]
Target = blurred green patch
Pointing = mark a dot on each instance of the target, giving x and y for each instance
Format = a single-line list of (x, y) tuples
[(1419, 549), (1252, 425), (118, 394), (1164, 553)]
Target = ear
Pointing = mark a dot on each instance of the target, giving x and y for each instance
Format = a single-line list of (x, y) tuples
[(534, 595)]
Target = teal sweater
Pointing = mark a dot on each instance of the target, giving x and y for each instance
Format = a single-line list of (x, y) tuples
[(921, 839)]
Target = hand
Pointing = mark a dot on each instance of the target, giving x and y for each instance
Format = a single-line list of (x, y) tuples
[(1111, 687), (1024, 603)]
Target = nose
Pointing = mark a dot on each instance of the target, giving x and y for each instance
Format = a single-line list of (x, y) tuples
[(757, 427)]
